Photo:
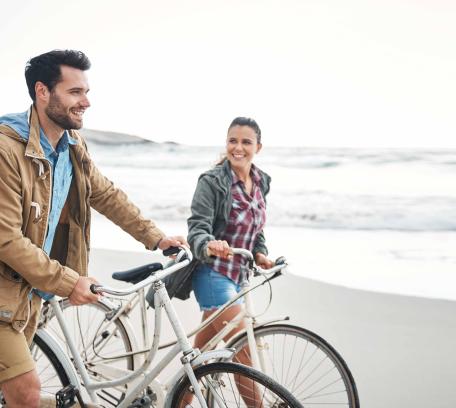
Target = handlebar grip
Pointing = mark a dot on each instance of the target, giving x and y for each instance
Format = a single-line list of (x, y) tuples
[(171, 251), (93, 288), (280, 261)]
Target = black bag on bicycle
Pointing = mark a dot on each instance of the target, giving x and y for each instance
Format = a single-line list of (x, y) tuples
[(178, 284)]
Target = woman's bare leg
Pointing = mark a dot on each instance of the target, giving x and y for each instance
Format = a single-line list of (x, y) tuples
[(249, 394)]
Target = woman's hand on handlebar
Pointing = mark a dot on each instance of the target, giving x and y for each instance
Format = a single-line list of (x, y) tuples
[(219, 248), (263, 261)]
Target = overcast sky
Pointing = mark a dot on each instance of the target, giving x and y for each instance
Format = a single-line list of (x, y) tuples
[(312, 72)]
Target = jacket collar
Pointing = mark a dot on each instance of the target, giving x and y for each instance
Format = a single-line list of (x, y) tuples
[(32, 139), (263, 179), (223, 176), (34, 148), (254, 173)]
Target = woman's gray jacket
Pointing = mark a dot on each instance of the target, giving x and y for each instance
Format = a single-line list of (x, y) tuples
[(211, 207)]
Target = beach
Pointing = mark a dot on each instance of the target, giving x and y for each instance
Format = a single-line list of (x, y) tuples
[(400, 348), (373, 219), (369, 235)]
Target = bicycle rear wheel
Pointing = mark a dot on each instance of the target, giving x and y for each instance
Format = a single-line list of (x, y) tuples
[(304, 363), (227, 385), (102, 342)]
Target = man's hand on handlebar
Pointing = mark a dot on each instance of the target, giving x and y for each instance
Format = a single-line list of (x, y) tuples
[(263, 261), (168, 242), (81, 293)]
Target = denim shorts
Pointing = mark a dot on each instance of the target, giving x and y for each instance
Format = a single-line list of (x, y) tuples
[(212, 289)]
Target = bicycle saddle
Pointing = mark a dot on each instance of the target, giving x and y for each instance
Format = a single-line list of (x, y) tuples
[(137, 274)]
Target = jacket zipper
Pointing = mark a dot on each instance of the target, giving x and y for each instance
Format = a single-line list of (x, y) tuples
[(48, 209), (83, 216)]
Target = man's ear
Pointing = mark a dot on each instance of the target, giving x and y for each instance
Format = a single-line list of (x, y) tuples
[(41, 91)]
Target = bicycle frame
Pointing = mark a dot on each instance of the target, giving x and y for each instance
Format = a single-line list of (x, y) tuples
[(191, 357), (246, 315)]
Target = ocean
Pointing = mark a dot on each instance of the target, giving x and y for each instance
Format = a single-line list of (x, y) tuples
[(381, 219)]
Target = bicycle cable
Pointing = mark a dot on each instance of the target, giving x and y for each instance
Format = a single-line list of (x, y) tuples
[(80, 332)]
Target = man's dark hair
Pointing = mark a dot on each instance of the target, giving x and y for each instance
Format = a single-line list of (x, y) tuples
[(46, 68), (242, 121)]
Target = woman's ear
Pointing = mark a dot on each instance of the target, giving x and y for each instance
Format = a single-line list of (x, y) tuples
[(259, 146)]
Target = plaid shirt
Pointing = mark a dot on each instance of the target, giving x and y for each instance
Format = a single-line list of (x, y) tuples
[(246, 220)]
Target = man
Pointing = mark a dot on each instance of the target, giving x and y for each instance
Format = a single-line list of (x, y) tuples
[(47, 185)]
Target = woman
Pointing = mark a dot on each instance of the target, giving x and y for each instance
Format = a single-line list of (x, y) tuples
[(228, 210)]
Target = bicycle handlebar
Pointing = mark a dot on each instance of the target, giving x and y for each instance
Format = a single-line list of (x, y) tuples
[(183, 258), (280, 262)]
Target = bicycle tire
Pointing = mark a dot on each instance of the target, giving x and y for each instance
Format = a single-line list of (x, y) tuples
[(304, 363), (98, 348), (51, 372), (221, 383)]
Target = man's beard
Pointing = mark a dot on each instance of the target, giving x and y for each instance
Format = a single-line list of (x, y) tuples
[(57, 113)]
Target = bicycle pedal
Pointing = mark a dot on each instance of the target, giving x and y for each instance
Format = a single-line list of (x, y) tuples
[(143, 402), (66, 397)]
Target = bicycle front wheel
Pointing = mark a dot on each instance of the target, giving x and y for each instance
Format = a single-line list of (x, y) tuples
[(304, 363), (53, 376), (227, 385), (103, 343)]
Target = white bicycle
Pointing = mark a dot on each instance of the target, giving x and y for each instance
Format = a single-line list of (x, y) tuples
[(86, 375), (303, 362)]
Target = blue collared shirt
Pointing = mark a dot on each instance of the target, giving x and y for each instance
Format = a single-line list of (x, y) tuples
[(62, 174)]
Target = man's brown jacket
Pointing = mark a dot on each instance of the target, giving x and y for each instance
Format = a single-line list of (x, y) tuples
[(25, 197)]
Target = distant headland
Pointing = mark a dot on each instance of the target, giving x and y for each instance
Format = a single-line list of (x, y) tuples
[(115, 138)]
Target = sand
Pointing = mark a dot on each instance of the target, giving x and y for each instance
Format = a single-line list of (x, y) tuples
[(400, 348), (397, 262)]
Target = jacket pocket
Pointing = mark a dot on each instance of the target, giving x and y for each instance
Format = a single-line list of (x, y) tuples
[(10, 293)]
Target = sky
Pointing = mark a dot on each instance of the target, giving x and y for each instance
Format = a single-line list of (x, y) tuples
[(326, 73)]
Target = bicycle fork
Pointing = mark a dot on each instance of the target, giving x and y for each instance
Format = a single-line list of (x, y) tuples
[(76, 356)]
